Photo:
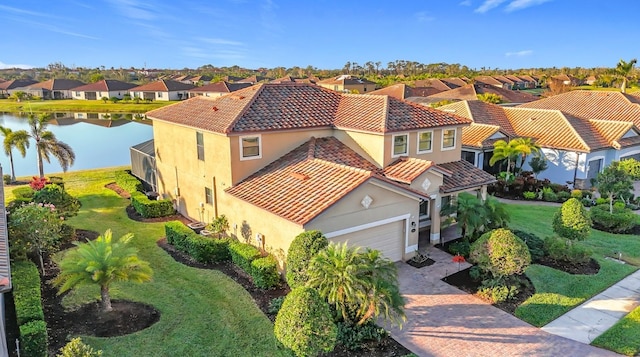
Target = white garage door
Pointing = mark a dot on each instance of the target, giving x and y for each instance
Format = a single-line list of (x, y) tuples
[(387, 238)]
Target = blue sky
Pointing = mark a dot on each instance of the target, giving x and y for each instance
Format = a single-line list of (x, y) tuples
[(322, 33)]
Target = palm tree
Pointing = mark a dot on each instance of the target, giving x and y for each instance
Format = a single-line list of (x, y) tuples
[(528, 146), (102, 262), (47, 144), (361, 286), (508, 150), (14, 139), (470, 213), (623, 71)]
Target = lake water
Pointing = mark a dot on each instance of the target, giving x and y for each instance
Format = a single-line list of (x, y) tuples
[(96, 142)]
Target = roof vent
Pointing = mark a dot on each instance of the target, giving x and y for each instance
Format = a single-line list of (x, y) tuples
[(215, 109), (299, 175)]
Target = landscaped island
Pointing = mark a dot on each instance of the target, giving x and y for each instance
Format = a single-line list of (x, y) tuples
[(72, 105)]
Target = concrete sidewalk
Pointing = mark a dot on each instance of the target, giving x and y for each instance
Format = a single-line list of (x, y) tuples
[(595, 316)]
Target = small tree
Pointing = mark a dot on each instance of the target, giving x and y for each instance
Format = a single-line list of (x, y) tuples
[(614, 182), (500, 253), (66, 205), (538, 164), (102, 262), (219, 225), (76, 348), (471, 214), (572, 220), (303, 248), (105, 99), (304, 323), (497, 214), (114, 100), (490, 98)]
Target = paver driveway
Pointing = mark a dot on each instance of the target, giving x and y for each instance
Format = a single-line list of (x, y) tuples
[(445, 321)]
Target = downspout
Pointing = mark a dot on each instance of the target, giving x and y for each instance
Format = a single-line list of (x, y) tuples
[(215, 198)]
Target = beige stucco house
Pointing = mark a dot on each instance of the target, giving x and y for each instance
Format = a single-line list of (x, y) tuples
[(105, 88), (348, 84), (163, 90), (279, 159)]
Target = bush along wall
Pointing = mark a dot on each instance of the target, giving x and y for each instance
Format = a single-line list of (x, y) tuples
[(202, 249), (128, 182), (264, 272), (29, 314), (243, 254), (151, 208)]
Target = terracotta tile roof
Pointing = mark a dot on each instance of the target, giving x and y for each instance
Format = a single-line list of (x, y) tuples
[(105, 85), (346, 79), (289, 79), (476, 135), (471, 91), (513, 78), (593, 105), (163, 85), (630, 141), (488, 80), (612, 131), (527, 78), (503, 79), (16, 83), (434, 83), (482, 113), (464, 176), (220, 87), (253, 79), (265, 107), (398, 91), (407, 169), (57, 84), (454, 82)]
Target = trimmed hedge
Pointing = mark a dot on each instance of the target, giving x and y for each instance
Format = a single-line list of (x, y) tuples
[(572, 221), (303, 248), (243, 254), (26, 292), (24, 192), (621, 221), (151, 208), (201, 248), (500, 253), (264, 272), (128, 182), (33, 339)]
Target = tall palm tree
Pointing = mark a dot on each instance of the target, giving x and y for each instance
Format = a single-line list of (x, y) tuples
[(528, 146), (14, 139), (47, 144), (623, 71), (509, 151), (102, 262)]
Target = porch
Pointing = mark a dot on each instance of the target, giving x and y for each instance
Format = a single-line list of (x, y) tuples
[(446, 235)]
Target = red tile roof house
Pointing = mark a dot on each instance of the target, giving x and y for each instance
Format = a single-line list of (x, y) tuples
[(104, 88), (8, 87), (53, 88), (580, 132), (471, 92), (280, 159), (348, 84), (163, 90), (217, 89)]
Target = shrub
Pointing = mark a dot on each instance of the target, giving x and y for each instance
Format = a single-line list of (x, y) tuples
[(500, 253), (26, 292), (128, 182), (631, 167), (529, 195), (57, 180), (587, 202), (33, 339), (275, 304), (572, 220), (461, 247), (550, 196), (76, 348), (243, 254), (498, 293), (354, 336), (7, 179), (302, 249), (601, 201), (24, 192), (563, 196), (38, 183), (576, 194), (202, 249), (562, 249), (67, 234), (622, 220), (264, 272), (304, 323), (17, 203), (66, 205), (533, 242), (151, 208), (176, 232), (219, 225)]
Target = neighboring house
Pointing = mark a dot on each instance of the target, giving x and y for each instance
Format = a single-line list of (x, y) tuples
[(590, 80), (518, 83), (289, 80), (506, 82), (455, 82), (163, 90), (105, 88), (348, 84), (280, 159), (194, 80), (489, 81), (471, 92), (254, 79), (405, 92), (5, 272), (217, 89), (53, 88), (529, 81), (567, 80), (8, 87)]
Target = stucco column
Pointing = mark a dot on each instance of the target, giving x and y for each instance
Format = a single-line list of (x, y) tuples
[(435, 203), (483, 193)]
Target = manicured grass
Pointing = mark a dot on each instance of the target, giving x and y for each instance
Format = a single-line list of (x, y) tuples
[(629, 90), (203, 313), (623, 337), (71, 105), (558, 292)]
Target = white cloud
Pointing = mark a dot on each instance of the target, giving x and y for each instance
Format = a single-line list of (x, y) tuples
[(15, 10), (519, 53), (423, 16), (488, 5), (23, 66), (221, 41), (465, 3), (135, 9), (523, 4)]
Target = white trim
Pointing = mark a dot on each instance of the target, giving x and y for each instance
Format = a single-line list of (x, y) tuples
[(393, 145), (455, 138), (418, 142), (599, 157), (392, 188), (630, 153), (405, 217), (259, 156)]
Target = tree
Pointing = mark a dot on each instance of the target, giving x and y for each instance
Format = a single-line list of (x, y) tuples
[(361, 286), (47, 144), (104, 99), (102, 262), (301, 250), (19, 95), (497, 214), (538, 164), (96, 77), (509, 151), (490, 98), (76, 348), (500, 253), (572, 220), (18, 139), (623, 71), (528, 146), (304, 323), (471, 214), (614, 182)]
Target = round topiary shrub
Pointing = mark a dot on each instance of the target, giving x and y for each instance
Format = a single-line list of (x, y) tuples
[(622, 219), (304, 323), (304, 247), (500, 253), (572, 221), (533, 242)]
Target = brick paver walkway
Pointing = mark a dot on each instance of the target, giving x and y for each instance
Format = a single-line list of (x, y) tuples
[(444, 321)]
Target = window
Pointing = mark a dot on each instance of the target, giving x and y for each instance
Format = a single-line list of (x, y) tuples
[(448, 139), (250, 147), (445, 202), (208, 196), (425, 140), (159, 94), (424, 209), (469, 156), (200, 145), (400, 144)]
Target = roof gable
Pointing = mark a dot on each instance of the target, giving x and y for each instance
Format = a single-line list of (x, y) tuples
[(105, 85)]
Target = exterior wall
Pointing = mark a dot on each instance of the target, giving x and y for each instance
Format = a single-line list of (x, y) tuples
[(562, 165), (360, 88), (634, 150), (99, 94), (207, 94), (437, 155), (349, 212), (370, 146)]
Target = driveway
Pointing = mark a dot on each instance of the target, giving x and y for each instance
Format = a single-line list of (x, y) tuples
[(445, 321)]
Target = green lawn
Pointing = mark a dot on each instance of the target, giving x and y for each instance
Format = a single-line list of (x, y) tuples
[(623, 337), (203, 313), (586, 87), (558, 292), (71, 105)]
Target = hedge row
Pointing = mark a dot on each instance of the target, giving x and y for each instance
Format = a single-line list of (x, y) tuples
[(30, 317), (264, 271), (201, 248), (128, 182), (151, 208)]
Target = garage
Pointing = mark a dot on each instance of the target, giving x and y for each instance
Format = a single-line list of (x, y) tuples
[(388, 238)]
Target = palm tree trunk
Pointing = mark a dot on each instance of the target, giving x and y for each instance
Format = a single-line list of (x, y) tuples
[(40, 260), (13, 171), (623, 87), (106, 298), (40, 164)]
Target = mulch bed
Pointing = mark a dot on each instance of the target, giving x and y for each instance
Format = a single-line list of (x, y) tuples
[(422, 264), (82, 236), (113, 186), (589, 268)]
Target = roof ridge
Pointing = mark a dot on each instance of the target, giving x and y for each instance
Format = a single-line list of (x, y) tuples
[(258, 90), (466, 104), (342, 166), (385, 113), (566, 119), (311, 150)]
